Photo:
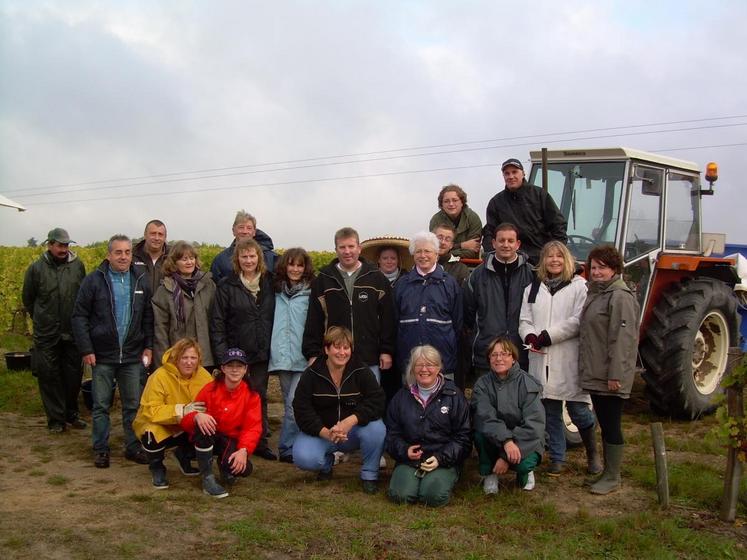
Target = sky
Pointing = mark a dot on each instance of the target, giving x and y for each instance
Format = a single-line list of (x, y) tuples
[(314, 115)]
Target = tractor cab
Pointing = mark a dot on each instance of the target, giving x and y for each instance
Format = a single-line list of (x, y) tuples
[(649, 207)]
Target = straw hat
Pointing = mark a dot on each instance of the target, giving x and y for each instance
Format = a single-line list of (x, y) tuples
[(370, 249)]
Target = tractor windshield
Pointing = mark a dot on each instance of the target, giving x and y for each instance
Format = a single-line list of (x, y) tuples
[(588, 194)]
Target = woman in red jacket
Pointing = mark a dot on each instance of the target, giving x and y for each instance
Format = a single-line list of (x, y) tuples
[(229, 428)]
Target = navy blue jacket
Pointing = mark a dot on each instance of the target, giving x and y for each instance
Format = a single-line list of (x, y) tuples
[(428, 310), (94, 325), (222, 266), (441, 429)]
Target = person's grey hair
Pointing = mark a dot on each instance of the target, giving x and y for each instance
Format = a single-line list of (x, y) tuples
[(425, 352), (242, 216), (117, 237), (423, 236)]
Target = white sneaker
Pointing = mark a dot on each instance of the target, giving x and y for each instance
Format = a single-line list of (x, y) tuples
[(340, 457), (382, 462), (529, 486), (490, 484)]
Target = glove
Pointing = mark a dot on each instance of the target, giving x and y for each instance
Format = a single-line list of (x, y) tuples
[(194, 407), (430, 464), (543, 340), (531, 339)]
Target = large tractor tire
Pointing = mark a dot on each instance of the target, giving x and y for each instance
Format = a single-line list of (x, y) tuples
[(685, 348)]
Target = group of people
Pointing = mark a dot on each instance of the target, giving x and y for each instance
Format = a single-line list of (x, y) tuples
[(371, 354)]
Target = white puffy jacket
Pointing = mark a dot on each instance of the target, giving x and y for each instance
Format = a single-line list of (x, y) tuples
[(557, 368)]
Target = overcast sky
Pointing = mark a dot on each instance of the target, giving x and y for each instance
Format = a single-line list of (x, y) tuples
[(93, 92)]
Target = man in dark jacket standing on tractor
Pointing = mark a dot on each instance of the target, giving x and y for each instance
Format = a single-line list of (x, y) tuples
[(530, 208), (113, 328), (350, 292), (50, 287)]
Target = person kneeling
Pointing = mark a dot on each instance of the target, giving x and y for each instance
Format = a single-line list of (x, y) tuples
[(509, 419), (338, 407), (230, 427), (428, 432), (169, 395)]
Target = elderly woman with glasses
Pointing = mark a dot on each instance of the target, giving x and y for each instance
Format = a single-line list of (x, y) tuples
[(509, 419), (428, 306), (428, 433)]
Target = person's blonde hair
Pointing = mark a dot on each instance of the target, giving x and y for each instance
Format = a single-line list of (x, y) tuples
[(180, 347), (569, 263), (248, 245)]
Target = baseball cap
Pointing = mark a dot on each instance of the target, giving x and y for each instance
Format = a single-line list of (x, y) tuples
[(234, 355), (60, 235), (512, 161)]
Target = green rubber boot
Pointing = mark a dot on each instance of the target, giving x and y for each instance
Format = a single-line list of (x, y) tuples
[(610, 479)]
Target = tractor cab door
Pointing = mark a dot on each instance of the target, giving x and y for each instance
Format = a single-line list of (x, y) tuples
[(643, 233)]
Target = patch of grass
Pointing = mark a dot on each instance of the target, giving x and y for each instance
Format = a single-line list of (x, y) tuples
[(57, 480), (36, 472), (19, 393), (15, 543)]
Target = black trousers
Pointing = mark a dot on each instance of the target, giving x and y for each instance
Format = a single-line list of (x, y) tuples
[(608, 409), (223, 447), (58, 371)]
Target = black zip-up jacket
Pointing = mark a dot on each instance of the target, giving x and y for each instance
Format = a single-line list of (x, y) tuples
[(238, 320), (143, 264), (369, 314), (530, 209), (318, 404), (95, 326), (442, 429)]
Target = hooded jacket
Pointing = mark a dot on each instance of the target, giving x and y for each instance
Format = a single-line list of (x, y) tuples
[(49, 292), (556, 368), (468, 227), (144, 265), (428, 310), (241, 321), (319, 404), (287, 331), (94, 323), (442, 428), (608, 338), (222, 265), (485, 308), (369, 314), (510, 409), (533, 211), (196, 317), (163, 399)]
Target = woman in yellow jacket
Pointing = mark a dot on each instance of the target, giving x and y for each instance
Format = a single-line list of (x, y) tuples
[(168, 397)]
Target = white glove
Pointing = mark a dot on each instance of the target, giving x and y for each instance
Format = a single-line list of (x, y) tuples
[(196, 406), (430, 464)]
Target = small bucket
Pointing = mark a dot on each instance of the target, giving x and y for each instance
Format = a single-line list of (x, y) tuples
[(18, 361)]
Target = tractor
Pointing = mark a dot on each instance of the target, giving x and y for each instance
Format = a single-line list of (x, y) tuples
[(649, 207)]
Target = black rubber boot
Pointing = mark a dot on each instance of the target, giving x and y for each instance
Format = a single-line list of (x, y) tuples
[(593, 464), (157, 469), (210, 486), (182, 456)]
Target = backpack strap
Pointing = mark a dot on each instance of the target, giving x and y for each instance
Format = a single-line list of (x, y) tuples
[(533, 290)]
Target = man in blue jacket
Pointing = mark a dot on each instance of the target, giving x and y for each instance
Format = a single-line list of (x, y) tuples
[(244, 226), (113, 329)]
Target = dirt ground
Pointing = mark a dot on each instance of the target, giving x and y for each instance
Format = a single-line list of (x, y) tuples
[(55, 504)]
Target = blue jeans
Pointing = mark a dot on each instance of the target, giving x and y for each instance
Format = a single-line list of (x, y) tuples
[(313, 453), (289, 429), (580, 414), (128, 381)]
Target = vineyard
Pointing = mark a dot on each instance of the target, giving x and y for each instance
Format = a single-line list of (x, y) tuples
[(15, 260)]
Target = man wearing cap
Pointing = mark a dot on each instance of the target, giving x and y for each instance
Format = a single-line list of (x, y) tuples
[(530, 208), (50, 287), (148, 255), (113, 328)]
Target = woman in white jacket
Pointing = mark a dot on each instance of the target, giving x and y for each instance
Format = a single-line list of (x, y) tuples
[(549, 325)]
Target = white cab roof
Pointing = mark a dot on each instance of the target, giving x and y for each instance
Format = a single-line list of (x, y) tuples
[(611, 154)]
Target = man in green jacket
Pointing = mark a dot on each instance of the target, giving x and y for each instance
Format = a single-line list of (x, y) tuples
[(50, 287)]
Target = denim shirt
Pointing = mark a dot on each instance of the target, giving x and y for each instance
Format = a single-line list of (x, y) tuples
[(120, 282)]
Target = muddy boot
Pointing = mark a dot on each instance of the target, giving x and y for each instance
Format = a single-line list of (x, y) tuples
[(593, 464), (210, 486), (610, 479), (157, 469)]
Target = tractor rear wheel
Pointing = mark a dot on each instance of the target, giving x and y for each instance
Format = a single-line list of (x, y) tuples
[(685, 348)]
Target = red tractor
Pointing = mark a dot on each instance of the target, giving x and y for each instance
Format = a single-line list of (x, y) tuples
[(649, 207)]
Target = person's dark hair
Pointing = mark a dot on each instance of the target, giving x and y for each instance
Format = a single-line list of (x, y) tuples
[(338, 335), (506, 226), (117, 237), (157, 223), (452, 188), (293, 256), (219, 376), (346, 232), (180, 347), (607, 255), (445, 226), (505, 344), (178, 250), (248, 245)]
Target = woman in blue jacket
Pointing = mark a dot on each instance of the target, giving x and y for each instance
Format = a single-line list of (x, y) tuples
[(293, 277)]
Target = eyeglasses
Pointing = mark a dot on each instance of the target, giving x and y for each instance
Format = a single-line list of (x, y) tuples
[(501, 355), (426, 366), (445, 238)]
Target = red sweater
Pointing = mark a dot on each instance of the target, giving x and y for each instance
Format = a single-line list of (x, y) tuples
[(238, 413)]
